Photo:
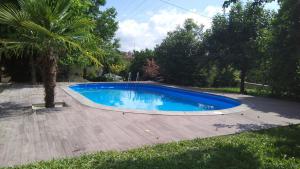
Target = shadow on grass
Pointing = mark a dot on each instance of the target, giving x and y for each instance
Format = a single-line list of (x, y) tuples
[(271, 148), (287, 140), (218, 157)]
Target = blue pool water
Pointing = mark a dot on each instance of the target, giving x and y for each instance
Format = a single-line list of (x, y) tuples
[(152, 97)]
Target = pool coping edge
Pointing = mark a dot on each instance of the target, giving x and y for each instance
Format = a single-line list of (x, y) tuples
[(85, 101)]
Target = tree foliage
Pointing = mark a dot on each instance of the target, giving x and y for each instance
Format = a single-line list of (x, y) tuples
[(216, 47), (180, 55), (249, 44), (104, 27), (139, 61), (278, 45), (49, 28), (233, 38), (285, 50), (150, 70)]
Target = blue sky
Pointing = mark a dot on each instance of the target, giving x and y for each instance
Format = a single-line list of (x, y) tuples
[(144, 23)]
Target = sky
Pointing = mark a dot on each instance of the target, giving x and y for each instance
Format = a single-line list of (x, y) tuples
[(145, 23)]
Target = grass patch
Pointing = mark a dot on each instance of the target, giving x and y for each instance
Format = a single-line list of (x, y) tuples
[(251, 91), (276, 148)]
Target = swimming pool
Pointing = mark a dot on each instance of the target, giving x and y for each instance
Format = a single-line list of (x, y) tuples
[(152, 97)]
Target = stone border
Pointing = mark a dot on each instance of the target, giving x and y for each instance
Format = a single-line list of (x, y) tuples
[(85, 101)]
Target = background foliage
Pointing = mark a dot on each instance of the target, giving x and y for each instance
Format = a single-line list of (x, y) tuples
[(249, 44)]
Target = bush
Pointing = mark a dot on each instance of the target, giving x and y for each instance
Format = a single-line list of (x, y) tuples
[(109, 77)]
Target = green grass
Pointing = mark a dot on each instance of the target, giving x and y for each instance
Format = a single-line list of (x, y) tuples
[(277, 148), (250, 91), (253, 91)]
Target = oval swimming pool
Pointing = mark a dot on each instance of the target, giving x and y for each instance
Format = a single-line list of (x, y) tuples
[(152, 97)]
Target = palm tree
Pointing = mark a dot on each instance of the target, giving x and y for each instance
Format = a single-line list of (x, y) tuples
[(50, 28)]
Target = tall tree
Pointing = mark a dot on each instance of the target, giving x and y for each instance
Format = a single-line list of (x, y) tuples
[(284, 47), (49, 27), (244, 24), (180, 55), (235, 37), (216, 46), (285, 50)]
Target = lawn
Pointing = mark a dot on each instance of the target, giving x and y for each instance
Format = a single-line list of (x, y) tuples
[(253, 91), (276, 148), (250, 91)]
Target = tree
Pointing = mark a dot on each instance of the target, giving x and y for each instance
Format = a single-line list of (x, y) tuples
[(216, 47), (151, 69), (139, 60), (261, 69), (105, 28), (233, 40), (49, 27), (112, 60), (243, 26), (227, 3), (283, 45), (106, 24), (181, 56), (105, 20), (285, 50)]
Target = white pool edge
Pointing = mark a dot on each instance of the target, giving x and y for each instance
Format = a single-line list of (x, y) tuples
[(85, 101)]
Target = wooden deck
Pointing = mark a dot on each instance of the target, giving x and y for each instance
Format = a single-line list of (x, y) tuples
[(27, 136)]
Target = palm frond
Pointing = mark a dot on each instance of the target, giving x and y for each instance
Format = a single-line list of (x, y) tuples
[(60, 8), (47, 23), (76, 26), (11, 47), (10, 15), (31, 26)]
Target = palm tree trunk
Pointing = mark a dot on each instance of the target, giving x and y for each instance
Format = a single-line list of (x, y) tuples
[(50, 66), (33, 70)]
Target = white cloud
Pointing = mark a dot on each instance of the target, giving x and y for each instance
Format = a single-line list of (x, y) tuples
[(139, 35), (212, 10)]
